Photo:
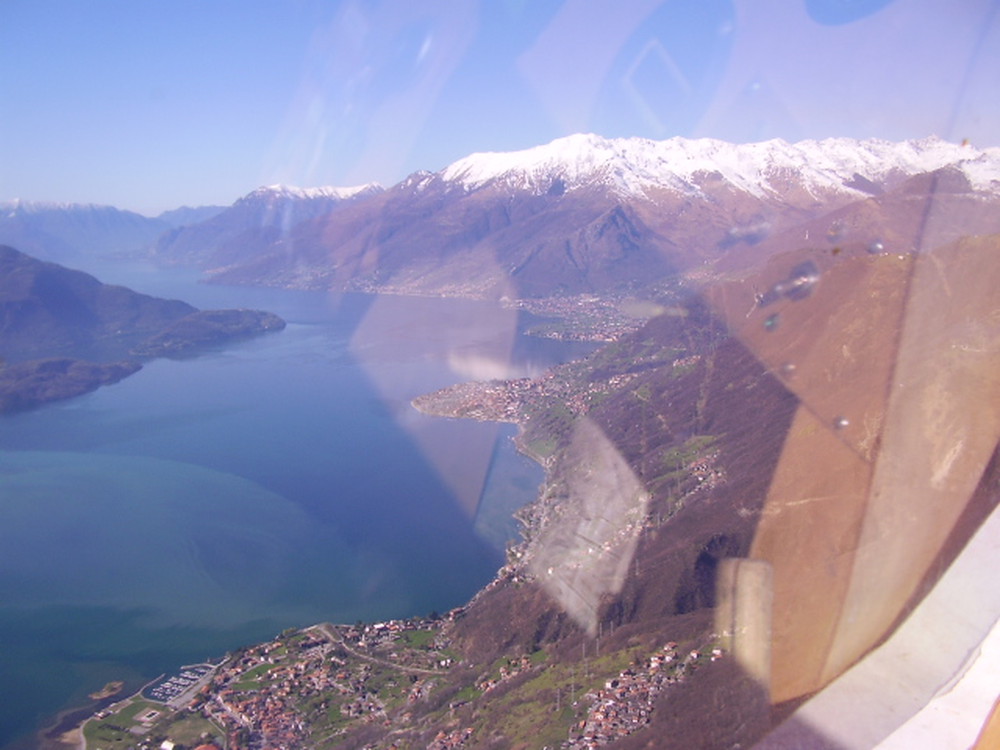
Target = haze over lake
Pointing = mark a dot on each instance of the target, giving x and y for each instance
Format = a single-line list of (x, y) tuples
[(209, 502)]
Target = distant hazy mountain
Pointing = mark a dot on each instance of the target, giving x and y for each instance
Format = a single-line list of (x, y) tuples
[(256, 221), (580, 214), (66, 231), (185, 215)]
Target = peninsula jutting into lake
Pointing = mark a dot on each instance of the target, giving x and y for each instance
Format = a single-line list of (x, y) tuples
[(56, 320)]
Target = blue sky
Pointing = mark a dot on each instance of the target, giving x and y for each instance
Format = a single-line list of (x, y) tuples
[(152, 104)]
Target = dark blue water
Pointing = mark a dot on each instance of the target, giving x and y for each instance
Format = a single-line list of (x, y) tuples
[(210, 502)]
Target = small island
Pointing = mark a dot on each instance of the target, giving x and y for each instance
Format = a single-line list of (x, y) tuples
[(109, 690)]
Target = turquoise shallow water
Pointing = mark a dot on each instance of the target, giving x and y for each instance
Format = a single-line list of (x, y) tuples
[(83, 529), (205, 503)]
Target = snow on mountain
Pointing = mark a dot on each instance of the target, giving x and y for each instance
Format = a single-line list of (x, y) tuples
[(259, 218), (66, 231), (285, 206), (21, 207), (579, 214), (313, 193), (632, 166)]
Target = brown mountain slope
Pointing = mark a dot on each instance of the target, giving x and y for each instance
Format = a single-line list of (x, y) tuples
[(436, 240), (425, 236)]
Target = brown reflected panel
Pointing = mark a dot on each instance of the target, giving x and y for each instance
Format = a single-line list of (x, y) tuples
[(808, 532), (827, 324), (941, 428), (896, 362)]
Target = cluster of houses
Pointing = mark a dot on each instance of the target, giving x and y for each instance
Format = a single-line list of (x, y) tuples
[(450, 740), (584, 317), (260, 696), (512, 668), (360, 701), (286, 673), (382, 640), (266, 715), (263, 717), (509, 400), (706, 471), (625, 703)]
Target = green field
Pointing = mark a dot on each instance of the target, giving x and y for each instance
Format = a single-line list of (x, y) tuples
[(122, 729)]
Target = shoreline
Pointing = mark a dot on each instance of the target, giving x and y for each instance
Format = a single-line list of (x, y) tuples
[(66, 732)]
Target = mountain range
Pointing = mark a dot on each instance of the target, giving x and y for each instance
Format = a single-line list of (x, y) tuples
[(68, 232), (582, 214), (253, 223)]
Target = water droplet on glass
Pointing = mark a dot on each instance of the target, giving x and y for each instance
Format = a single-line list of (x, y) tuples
[(771, 322), (840, 423), (798, 285), (801, 280)]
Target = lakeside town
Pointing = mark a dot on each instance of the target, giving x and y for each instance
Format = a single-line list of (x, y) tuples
[(298, 690), (307, 688)]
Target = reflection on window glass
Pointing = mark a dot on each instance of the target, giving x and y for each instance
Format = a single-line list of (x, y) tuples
[(547, 375)]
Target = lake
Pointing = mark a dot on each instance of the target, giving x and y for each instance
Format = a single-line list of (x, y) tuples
[(213, 501)]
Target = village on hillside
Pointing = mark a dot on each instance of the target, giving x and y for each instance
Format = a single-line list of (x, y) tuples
[(307, 688)]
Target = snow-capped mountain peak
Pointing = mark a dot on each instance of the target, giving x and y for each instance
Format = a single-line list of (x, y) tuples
[(574, 159), (26, 207), (313, 193), (633, 166)]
